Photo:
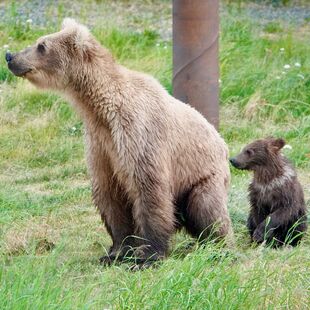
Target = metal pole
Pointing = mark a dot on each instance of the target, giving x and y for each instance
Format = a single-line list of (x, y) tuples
[(195, 55)]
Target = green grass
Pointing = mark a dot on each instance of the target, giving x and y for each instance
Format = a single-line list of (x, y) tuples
[(50, 234)]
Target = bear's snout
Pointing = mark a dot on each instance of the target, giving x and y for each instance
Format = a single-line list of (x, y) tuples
[(8, 57), (16, 64), (234, 162)]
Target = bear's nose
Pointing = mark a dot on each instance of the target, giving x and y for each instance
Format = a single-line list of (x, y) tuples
[(233, 162), (8, 57)]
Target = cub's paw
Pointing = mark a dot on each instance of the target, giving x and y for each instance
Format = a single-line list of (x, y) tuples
[(141, 264), (107, 260), (258, 236)]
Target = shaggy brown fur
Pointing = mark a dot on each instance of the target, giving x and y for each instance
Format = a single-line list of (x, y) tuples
[(155, 162), (278, 210)]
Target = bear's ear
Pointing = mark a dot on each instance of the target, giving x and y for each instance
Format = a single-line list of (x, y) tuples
[(81, 34), (277, 144), (69, 23)]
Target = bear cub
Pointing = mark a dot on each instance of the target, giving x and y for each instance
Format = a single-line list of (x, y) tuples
[(277, 206)]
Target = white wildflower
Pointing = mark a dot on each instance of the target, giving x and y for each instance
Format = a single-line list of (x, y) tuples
[(287, 67), (5, 46), (29, 21), (287, 146), (73, 128), (165, 47), (297, 64), (282, 49), (283, 72), (220, 81), (157, 44), (301, 76)]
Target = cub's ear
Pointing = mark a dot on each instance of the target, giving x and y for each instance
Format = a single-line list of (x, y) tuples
[(277, 144)]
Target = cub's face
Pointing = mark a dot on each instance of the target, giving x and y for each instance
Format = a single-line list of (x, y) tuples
[(257, 154), (49, 62)]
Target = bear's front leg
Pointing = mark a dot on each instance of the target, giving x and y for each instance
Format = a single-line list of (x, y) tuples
[(266, 229), (154, 219), (117, 217), (120, 227), (251, 226), (259, 234), (252, 222)]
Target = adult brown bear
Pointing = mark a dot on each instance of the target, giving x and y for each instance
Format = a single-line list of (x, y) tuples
[(155, 162)]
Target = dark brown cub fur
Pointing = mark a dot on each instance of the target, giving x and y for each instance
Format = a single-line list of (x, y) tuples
[(278, 210)]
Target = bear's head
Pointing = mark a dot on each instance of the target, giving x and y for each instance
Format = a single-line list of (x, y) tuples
[(57, 58), (258, 153)]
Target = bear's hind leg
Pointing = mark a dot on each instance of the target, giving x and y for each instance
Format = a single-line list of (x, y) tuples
[(206, 214)]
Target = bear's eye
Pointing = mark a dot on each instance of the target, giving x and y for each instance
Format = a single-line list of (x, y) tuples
[(249, 152), (41, 48)]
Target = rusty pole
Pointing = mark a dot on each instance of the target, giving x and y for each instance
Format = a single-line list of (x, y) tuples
[(195, 55)]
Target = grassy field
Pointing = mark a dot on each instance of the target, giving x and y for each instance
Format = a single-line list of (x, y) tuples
[(50, 234)]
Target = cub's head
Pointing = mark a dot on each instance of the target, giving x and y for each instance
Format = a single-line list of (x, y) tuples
[(54, 59), (258, 153)]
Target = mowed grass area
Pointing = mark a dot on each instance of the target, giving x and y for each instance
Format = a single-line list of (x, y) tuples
[(50, 234)]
